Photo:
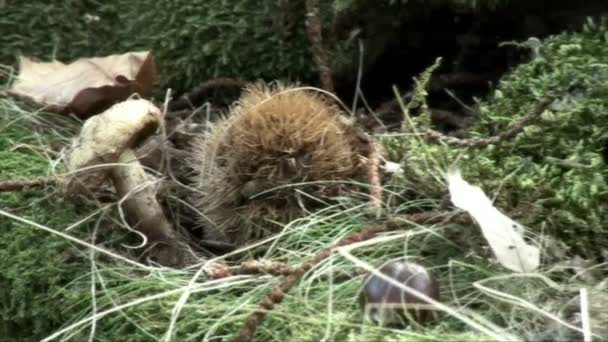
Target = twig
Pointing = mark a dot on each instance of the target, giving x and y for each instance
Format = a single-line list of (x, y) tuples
[(436, 84), (220, 270), (217, 270), (275, 268), (277, 294), (313, 28), (373, 175), (268, 267), (460, 79), (508, 133), (197, 93), (25, 184)]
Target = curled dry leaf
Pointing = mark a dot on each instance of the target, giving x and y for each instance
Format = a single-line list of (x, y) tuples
[(86, 86), (502, 233)]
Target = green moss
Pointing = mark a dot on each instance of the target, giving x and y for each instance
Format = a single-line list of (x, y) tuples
[(553, 173), (35, 266), (192, 40), (195, 40), (46, 30)]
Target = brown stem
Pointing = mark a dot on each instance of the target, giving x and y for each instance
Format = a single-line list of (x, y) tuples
[(277, 294), (275, 268), (25, 184), (508, 133), (197, 93), (459, 79), (373, 174), (314, 30)]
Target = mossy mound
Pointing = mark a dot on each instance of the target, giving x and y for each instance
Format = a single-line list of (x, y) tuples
[(193, 40), (554, 174)]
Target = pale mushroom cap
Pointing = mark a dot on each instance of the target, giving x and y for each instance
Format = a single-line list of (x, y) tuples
[(105, 136)]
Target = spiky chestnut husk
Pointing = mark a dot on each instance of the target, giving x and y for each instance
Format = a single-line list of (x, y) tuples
[(248, 166)]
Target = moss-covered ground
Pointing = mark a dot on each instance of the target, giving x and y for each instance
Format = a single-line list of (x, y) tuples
[(193, 40)]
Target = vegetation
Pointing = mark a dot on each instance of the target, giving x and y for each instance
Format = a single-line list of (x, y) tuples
[(35, 266), (193, 40), (554, 173), (551, 177)]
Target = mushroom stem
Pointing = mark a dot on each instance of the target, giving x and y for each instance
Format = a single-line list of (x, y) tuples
[(144, 212), (111, 137)]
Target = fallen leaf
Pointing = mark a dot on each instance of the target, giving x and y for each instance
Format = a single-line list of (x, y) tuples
[(86, 86), (504, 235)]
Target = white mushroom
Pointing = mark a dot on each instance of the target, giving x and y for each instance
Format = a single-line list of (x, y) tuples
[(111, 138)]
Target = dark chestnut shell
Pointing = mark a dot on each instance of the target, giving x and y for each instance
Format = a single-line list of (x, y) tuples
[(390, 305)]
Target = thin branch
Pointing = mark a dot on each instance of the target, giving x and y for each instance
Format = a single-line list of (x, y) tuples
[(275, 268), (26, 184), (373, 175), (314, 30), (508, 133), (198, 93), (278, 293)]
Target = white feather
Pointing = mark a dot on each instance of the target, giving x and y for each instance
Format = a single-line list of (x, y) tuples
[(503, 234)]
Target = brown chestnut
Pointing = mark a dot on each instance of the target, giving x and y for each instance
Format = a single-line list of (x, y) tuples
[(390, 305)]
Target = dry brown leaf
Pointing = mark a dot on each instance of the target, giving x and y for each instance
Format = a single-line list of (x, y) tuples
[(86, 86)]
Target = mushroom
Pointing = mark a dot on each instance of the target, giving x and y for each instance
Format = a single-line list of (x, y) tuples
[(387, 304), (111, 138)]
